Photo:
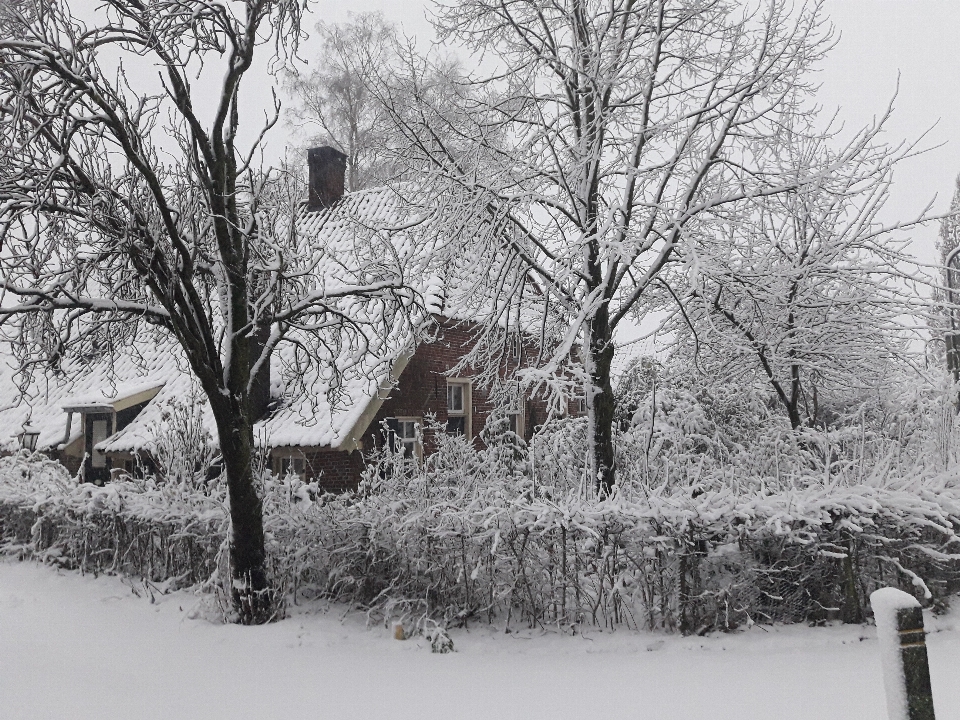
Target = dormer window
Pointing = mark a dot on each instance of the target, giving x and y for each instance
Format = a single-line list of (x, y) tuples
[(100, 430), (100, 417)]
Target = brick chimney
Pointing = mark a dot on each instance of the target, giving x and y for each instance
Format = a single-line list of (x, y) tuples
[(327, 169)]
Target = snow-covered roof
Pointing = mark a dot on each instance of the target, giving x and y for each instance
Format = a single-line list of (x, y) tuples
[(161, 372), (384, 214), (329, 415), (303, 421), (124, 395), (98, 386)]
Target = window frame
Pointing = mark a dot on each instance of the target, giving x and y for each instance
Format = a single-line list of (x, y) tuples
[(517, 416), (514, 405), (98, 458), (466, 411), (415, 442), (284, 460)]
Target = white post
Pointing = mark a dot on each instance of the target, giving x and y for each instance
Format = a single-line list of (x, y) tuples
[(903, 652)]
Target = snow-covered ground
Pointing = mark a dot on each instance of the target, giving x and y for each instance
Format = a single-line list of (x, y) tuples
[(84, 647)]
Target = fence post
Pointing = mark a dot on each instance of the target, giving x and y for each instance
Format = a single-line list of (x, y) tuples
[(903, 652)]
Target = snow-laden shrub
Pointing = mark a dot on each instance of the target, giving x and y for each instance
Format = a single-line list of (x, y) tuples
[(164, 532), (513, 534), (676, 423), (182, 448), (463, 537)]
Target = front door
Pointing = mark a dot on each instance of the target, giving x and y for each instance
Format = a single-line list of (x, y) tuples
[(96, 466)]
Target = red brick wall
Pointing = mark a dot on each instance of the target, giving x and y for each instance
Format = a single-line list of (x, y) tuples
[(334, 471), (71, 462), (422, 390)]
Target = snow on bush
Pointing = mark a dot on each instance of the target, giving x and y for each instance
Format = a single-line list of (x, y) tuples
[(694, 539), (165, 532), (462, 538)]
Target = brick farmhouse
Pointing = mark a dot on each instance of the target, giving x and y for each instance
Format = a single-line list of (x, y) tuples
[(102, 420), (102, 424)]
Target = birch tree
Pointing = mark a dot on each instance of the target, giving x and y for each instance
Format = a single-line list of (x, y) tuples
[(333, 104), (594, 146), (128, 214)]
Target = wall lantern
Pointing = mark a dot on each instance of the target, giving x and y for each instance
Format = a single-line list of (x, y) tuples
[(28, 438)]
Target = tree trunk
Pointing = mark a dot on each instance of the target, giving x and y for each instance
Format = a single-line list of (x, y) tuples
[(952, 338), (253, 597), (851, 611), (602, 406)]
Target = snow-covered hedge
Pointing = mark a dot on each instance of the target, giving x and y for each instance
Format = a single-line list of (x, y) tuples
[(511, 535), (471, 535), (165, 532)]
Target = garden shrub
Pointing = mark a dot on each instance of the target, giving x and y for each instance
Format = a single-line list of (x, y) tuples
[(513, 534)]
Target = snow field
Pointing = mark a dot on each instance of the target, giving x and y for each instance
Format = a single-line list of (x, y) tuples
[(76, 646)]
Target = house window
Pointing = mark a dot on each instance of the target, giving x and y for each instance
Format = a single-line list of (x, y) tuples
[(292, 465), (514, 345), (98, 435), (516, 421), (404, 436), (455, 398), (458, 408), (513, 403)]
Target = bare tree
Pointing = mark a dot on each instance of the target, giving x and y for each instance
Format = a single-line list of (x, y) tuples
[(604, 139), (333, 103), (124, 213), (807, 288)]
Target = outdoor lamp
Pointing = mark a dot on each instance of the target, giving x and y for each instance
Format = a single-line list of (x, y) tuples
[(28, 438)]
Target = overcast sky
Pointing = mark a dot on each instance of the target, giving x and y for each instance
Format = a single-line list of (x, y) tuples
[(881, 43), (915, 42)]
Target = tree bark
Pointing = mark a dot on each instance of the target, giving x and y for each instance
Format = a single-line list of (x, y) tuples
[(602, 407), (793, 404), (232, 401), (252, 595)]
